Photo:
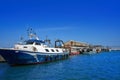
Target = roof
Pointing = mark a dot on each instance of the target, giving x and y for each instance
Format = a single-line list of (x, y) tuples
[(76, 43)]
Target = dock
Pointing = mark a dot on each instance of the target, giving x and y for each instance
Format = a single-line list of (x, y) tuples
[(2, 59)]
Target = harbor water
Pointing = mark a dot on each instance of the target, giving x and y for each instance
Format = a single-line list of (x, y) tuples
[(102, 66)]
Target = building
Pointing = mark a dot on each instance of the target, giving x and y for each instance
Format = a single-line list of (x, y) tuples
[(73, 43), (75, 47)]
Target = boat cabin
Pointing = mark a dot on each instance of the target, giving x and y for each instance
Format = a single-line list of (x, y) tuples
[(37, 46)]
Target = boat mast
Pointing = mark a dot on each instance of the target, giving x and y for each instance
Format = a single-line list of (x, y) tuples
[(48, 41), (32, 34)]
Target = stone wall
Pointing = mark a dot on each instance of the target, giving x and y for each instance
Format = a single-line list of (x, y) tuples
[(1, 59)]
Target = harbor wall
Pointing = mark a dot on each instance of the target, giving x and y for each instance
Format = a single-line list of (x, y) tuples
[(1, 59)]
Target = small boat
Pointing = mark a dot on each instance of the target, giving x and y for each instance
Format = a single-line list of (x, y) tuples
[(32, 51), (74, 51)]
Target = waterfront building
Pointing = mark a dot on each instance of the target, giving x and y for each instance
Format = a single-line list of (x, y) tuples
[(76, 47)]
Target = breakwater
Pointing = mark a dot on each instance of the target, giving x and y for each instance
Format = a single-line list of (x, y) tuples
[(1, 59)]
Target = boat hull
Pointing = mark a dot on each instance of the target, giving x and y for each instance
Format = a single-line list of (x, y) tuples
[(19, 57)]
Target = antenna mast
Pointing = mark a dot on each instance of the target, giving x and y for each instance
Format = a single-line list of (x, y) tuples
[(32, 34)]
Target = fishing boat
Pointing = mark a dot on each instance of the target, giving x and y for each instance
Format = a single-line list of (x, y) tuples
[(32, 51)]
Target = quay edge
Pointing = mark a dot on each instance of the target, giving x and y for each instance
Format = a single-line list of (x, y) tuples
[(2, 59)]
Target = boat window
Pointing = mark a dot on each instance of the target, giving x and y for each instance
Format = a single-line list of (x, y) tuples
[(29, 42), (57, 50), (37, 43), (46, 50), (25, 46), (52, 50)]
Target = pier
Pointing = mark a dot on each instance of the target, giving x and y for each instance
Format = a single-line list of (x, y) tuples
[(76, 47)]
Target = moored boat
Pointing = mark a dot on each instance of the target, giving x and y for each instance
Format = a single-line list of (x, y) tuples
[(32, 51)]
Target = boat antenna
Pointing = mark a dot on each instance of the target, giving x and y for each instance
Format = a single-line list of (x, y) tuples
[(48, 41), (32, 34), (21, 38)]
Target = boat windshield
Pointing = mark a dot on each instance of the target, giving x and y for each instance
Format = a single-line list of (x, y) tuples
[(29, 43), (38, 42)]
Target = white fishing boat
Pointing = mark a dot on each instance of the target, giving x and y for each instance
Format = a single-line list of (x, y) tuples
[(32, 51)]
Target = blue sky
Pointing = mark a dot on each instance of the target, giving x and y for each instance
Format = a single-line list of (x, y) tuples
[(91, 21)]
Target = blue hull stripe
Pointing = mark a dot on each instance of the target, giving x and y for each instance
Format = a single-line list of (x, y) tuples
[(15, 57)]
